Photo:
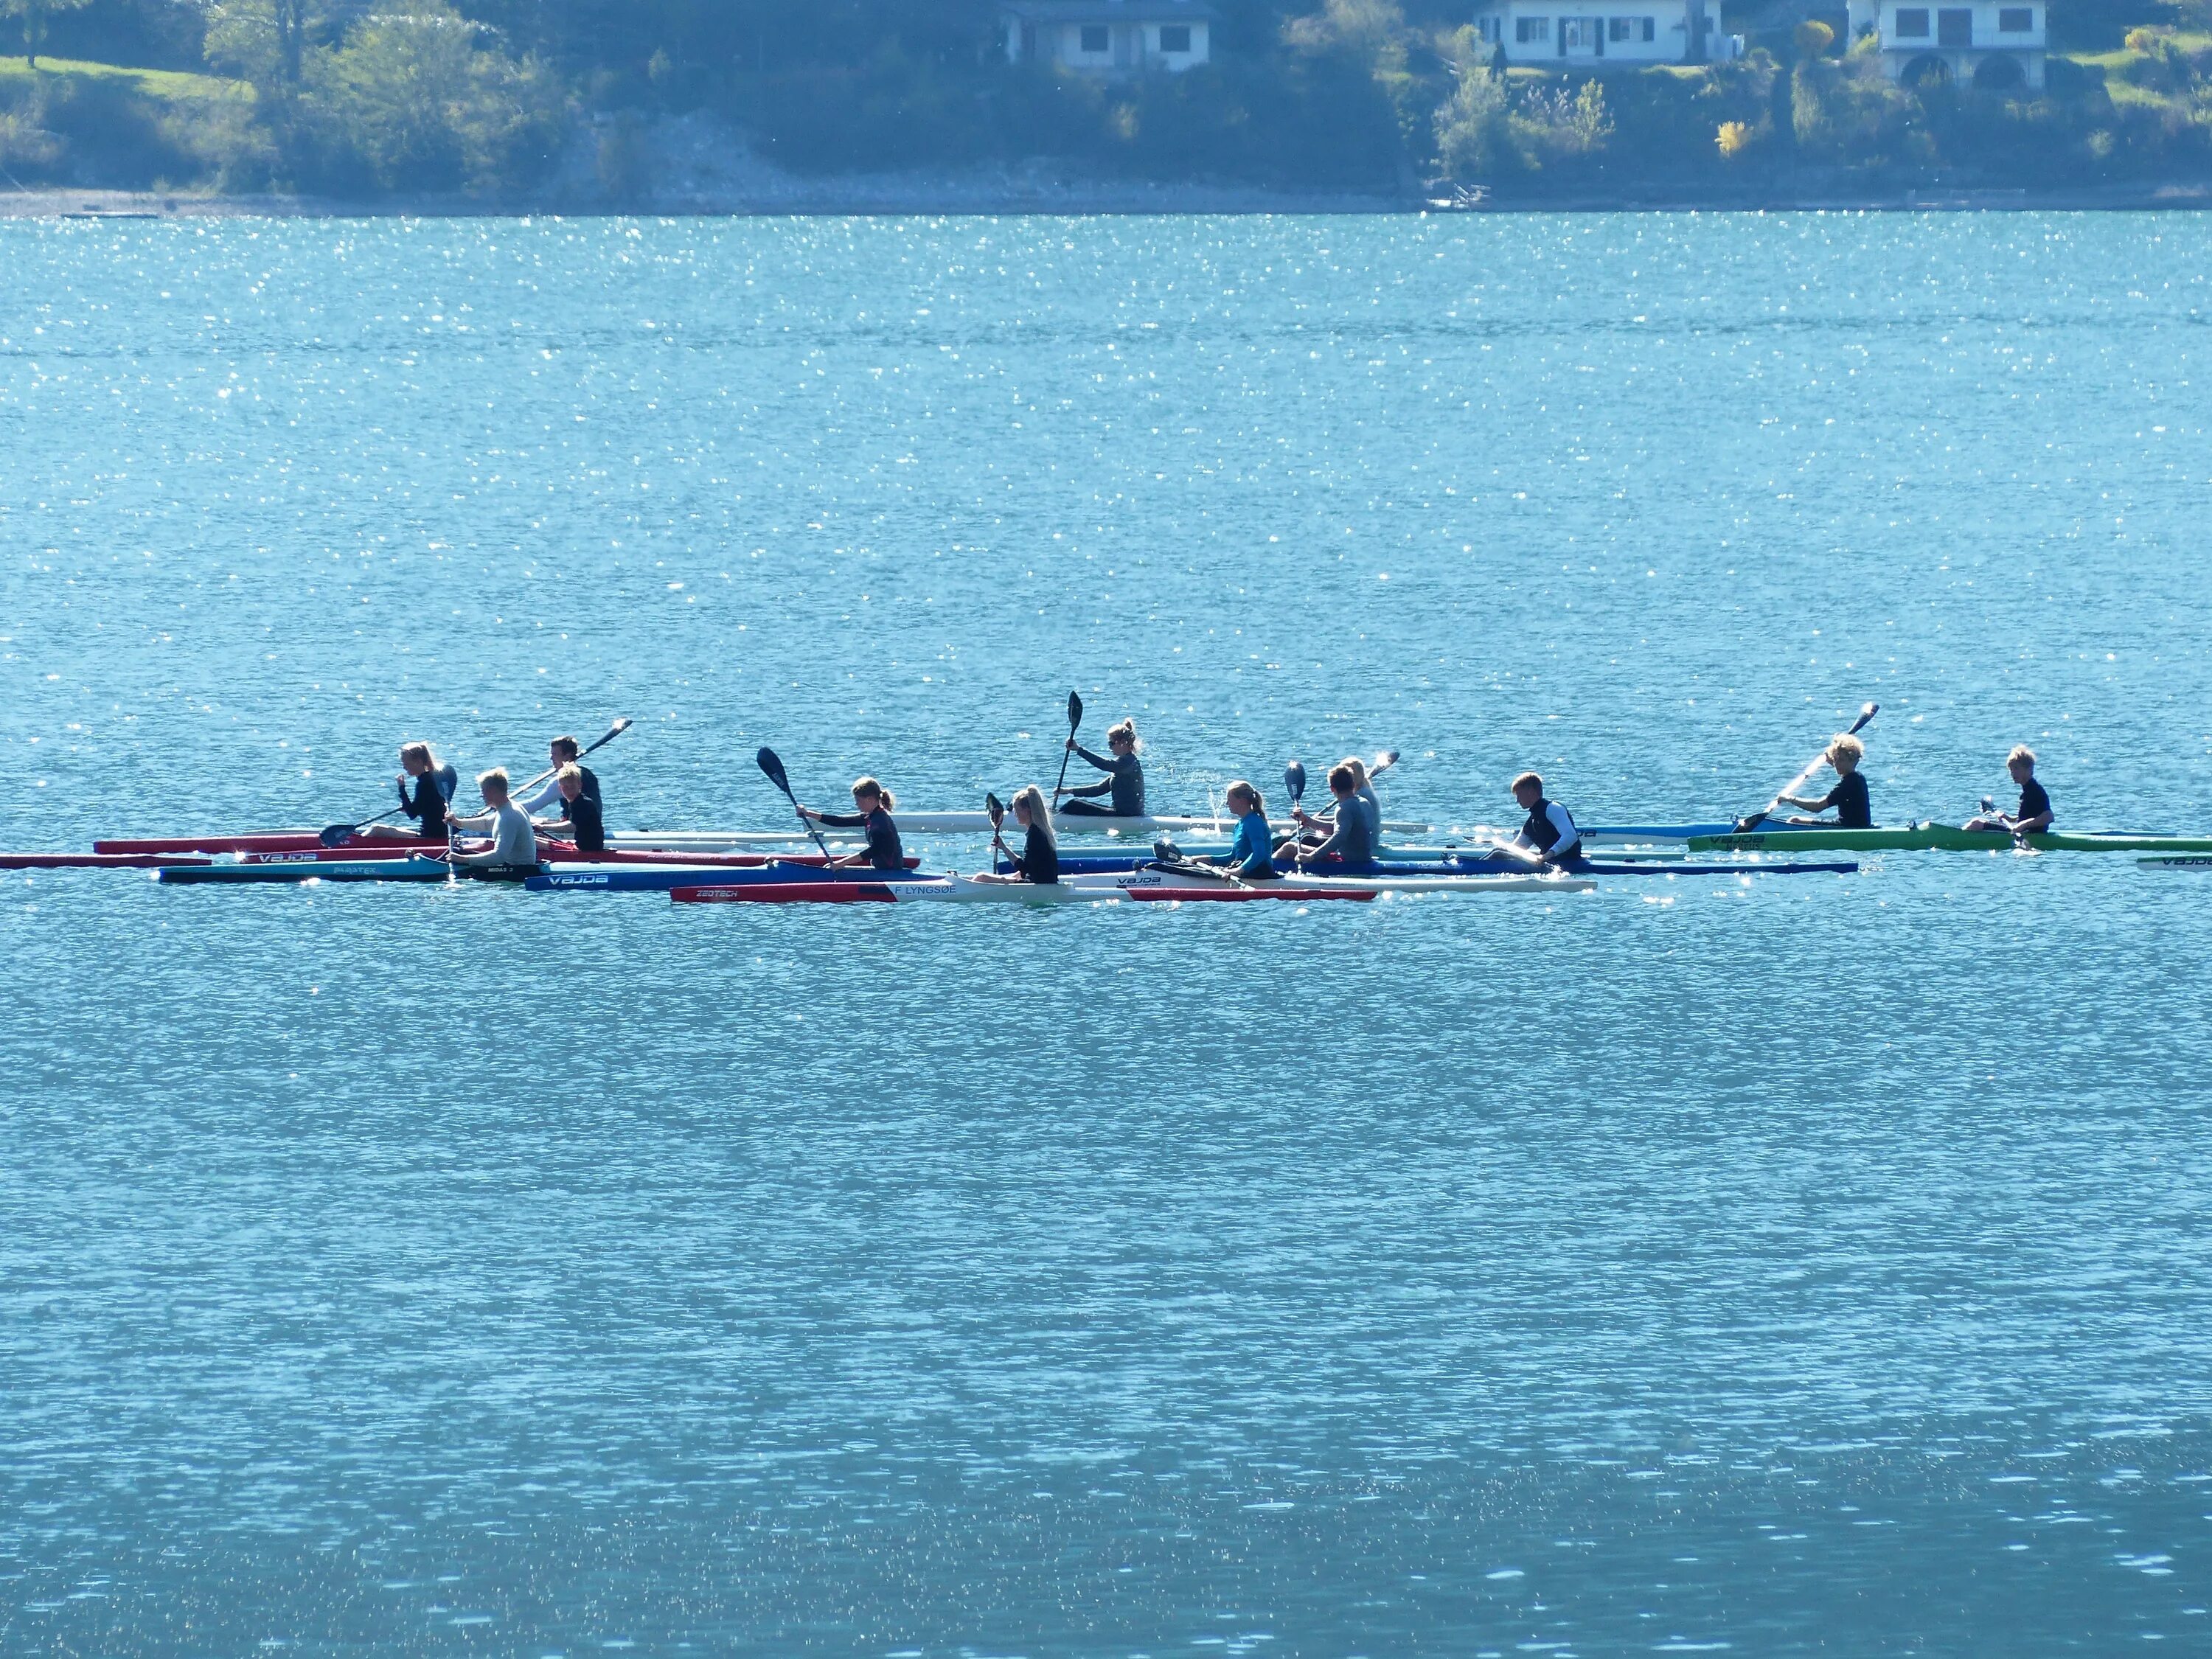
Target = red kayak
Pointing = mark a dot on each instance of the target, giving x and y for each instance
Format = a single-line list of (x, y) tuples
[(555, 852)]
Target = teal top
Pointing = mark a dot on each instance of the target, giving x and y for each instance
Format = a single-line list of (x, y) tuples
[(1249, 852)]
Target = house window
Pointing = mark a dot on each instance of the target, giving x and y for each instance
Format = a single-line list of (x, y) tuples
[(1526, 29), (1616, 28), (1651, 28), (1095, 38), (2016, 20), (1175, 37), (1954, 26), (1578, 32), (1912, 23)]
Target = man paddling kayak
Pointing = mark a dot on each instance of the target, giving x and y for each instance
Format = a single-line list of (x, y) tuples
[(513, 853), (1548, 838), (1317, 830), (1351, 840), (2033, 817), (562, 752), (1039, 864), (1125, 781), (1853, 809), (582, 822), (872, 806)]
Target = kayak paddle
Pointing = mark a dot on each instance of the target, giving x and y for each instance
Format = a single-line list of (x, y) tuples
[(1074, 720), (1745, 826), (997, 809), (1294, 784), (776, 775)]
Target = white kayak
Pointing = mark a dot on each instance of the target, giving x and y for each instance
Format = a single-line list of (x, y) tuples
[(1172, 886)]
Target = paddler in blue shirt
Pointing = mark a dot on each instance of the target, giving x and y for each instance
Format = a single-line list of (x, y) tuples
[(1250, 850), (1548, 839), (1854, 810), (2034, 814), (1350, 842)]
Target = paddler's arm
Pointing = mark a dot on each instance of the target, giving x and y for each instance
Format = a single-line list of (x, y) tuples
[(1103, 763), (1104, 788)]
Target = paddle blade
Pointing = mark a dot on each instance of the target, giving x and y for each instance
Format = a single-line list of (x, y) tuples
[(773, 768), (1074, 713), (1865, 715), (335, 835), (997, 809), (1294, 780), (1384, 762)]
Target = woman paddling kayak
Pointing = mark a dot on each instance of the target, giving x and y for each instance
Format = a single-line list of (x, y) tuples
[(434, 784), (1039, 863), (872, 804), (1854, 810), (1125, 782), (1249, 854)]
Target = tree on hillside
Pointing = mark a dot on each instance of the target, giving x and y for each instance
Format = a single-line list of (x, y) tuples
[(425, 108), (33, 15), (263, 41)]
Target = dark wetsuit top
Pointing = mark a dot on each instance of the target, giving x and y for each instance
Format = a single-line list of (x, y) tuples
[(587, 825), (427, 807), (1126, 785), (1039, 860), (1545, 833), (1853, 809), (884, 851), (2034, 801)]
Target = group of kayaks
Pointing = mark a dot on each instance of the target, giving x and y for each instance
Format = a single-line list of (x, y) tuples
[(1347, 852)]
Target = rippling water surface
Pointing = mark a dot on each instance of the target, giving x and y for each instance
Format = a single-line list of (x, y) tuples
[(1689, 1267)]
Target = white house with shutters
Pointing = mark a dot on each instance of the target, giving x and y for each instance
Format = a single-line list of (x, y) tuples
[(1561, 34), (1993, 45), (1108, 37)]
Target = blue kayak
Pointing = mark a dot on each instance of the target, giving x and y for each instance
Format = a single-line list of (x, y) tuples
[(667, 877)]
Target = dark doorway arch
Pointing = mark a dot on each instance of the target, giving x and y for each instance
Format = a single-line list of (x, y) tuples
[(2000, 72), (1926, 72)]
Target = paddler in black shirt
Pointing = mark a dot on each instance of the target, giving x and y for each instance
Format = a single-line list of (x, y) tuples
[(2033, 817), (872, 804), (434, 783), (1549, 838), (1854, 810), (1124, 784), (581, 823), (1039, 863)]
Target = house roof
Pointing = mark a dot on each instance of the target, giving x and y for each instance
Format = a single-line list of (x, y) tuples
[(1108, 11)]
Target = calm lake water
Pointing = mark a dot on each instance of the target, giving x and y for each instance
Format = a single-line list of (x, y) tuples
[(1818, 1264)]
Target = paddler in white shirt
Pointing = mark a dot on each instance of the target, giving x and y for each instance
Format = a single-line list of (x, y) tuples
[(513, 850), (1548, 839)]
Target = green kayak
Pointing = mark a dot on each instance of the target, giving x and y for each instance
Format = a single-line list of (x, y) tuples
[(1920, 836)]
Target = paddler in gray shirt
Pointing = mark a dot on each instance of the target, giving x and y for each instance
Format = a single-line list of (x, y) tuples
[(513, 850), (1348, 840)]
